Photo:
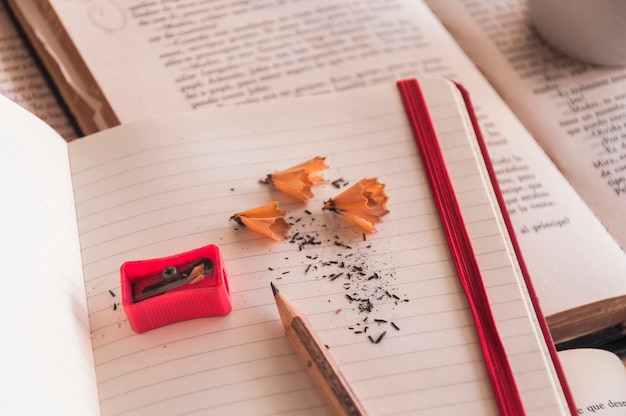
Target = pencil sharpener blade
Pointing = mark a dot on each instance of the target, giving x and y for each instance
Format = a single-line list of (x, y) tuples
[(161, 291)]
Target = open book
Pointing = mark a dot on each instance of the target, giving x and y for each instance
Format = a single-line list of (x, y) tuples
[(23, 80), (597, 379), (118, 62), (75, 212)]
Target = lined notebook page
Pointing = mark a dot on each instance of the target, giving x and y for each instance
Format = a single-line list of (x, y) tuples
[(153, 189), (46, 361)]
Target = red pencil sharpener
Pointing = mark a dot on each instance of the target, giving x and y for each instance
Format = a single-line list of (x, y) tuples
[(165, 290)]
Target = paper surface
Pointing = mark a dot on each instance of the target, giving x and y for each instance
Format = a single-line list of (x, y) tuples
[(582, 134), (153, 189), (46, 360), (22, 80), (597, 379), (239, 54)]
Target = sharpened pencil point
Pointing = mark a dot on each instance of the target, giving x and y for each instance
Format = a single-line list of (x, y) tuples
[(314, 355)]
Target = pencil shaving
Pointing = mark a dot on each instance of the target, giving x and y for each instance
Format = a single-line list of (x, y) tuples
[(298, 180), (197, 274), (268, 220), (364, 203)]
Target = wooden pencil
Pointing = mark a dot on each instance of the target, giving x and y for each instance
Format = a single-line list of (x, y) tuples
[(323, 370)]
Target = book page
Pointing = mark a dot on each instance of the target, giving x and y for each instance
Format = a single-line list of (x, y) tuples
[(46, 361), (222, 53), (597, 379), (22, 81), (212, 53), (573, 110), (388, 305), (586, 103)]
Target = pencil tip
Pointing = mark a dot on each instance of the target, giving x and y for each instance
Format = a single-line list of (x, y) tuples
[(274, 288)]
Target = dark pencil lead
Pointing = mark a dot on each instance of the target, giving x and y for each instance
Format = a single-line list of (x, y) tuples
[(274, 288), (237, 220), (337, 183), (335, 276)]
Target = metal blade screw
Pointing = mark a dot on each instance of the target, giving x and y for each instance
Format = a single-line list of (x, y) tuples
[(170, 273)]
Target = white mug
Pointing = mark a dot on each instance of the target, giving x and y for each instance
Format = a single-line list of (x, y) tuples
[(590, 30)]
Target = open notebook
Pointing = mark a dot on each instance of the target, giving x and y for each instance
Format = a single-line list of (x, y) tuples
[(164, 186)]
